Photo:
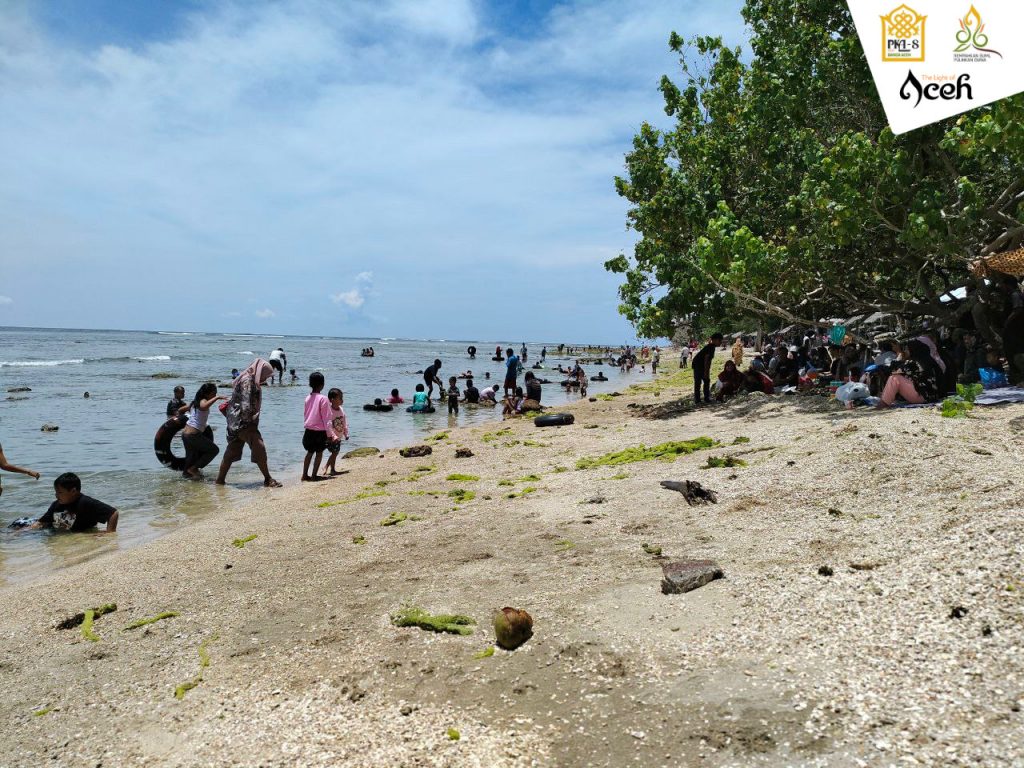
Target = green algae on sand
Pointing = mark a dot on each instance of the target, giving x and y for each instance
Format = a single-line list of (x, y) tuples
[(358, 497), (414, 616), (455, 476), (151, 620), (724, 462), (204, 662), (239, 543), (91, 615), (397, 518), (663, 452)]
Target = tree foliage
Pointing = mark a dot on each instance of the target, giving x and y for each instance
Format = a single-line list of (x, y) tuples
[(781, 193)]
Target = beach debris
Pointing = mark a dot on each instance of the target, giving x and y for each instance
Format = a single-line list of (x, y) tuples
[(151, 620), (453, 734), (43, 711), (682, 576), (958, 612), (694, 493), (49, 428), (416, 450), (463, 453), (565, 544), (867, 565), (414, 616), (592, 399), (619, 476), (740, 440), (825, 570), (663, 452), (595, 500), (512, 627), (650, 549), (73, 621), (239, 543), (486, 653), (358, 539), (438, 437), (455, 476), (461, 495), (358, 453), (20, 389), (526, 491), (204, 662), (720, 462)]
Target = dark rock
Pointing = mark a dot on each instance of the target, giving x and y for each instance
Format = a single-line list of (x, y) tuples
[(686, 575), (49, 428), (228, 566), (958, 612), (596, 500), (592, 399), (694, 493), (359, 452), (416, 450), (463, 453), (20, 389), (986, 631), (825, 570)]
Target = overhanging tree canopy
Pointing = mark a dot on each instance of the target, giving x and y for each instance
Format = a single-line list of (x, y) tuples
[(781, 193)]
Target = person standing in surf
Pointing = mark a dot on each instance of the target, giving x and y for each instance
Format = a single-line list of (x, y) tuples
[(430, 378), (243, 415), (278, 361)]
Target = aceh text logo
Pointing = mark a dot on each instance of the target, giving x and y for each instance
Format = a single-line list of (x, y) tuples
[(903, 35), (971, 40), (937, 87)]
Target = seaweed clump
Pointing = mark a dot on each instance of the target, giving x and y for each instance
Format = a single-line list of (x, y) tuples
[(239, 543), (462, 478), (461, 494), (367, 494), (724, 462), (204, 662), (397, 518), (663, 452), (413, 616)]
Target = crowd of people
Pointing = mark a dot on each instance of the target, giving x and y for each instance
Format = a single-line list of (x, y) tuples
[(922, 367)]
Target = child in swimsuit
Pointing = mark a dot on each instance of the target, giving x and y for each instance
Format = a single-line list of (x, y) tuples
[(419, 400)]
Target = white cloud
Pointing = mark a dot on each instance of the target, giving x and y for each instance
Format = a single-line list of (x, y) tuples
[(353, 298), (6, 300), (265, 313), (364, 277)]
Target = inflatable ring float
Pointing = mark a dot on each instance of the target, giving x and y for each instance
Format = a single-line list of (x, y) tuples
[(599, 378), (497, 359), (378, 407), (471, 351), (162, 442), (428, 409), (554, 420)]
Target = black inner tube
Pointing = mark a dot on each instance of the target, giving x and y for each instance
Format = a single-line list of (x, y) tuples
[(554, 420), (378, 407)]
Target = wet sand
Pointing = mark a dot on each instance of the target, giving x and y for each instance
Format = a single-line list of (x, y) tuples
[(908, 652)]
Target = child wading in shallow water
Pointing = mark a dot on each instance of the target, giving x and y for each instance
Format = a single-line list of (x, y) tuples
[(319, 423), (340, 424), (453, 395)]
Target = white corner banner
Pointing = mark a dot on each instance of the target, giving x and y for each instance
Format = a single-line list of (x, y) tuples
[(935, 58)]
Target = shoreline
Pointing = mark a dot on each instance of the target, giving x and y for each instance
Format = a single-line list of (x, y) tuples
[(772, 664)]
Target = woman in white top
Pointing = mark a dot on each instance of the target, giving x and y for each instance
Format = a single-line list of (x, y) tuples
[(200, 449)]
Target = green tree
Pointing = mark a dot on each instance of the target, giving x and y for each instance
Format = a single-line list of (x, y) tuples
[(780, 193)]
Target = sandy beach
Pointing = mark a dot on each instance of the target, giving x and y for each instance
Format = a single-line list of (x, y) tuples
[(907, 654)]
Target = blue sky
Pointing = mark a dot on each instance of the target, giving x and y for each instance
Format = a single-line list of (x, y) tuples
[(393, 168)]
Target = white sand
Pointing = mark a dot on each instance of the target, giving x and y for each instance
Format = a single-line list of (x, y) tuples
[(774, 665)]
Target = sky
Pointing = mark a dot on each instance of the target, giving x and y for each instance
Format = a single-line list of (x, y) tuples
[(400, 168)]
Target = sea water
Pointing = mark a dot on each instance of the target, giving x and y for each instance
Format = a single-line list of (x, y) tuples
[(107, 438)]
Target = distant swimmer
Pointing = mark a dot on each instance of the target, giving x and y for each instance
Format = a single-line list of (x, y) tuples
[(471, 351), (278, 361), (395, 398)]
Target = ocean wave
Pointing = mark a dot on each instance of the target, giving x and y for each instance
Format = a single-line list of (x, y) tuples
[(37, 363), (152, 357), (250, 354), (174, 333)]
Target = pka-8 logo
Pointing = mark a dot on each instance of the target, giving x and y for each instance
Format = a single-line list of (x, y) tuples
[(935, 91), (903, 35)]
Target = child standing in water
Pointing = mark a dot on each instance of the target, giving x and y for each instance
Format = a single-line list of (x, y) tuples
[(200, 450), (340, 424), (319, 423), (453, 395)]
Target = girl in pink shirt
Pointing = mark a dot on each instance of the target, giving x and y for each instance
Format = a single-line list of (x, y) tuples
[(340, 424), (319, 423)]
